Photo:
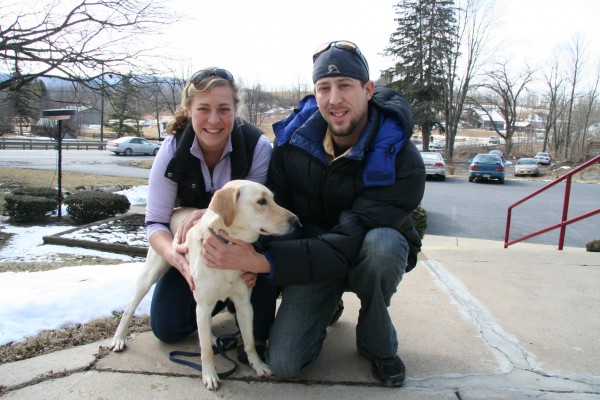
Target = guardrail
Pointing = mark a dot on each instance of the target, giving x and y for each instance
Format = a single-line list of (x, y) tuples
[(32, 144), (564, 221)]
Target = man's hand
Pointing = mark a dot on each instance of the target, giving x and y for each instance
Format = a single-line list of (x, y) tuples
[(233, 255)]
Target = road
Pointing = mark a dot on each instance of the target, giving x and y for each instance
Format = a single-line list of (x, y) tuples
[(97, 162), (457, 207), (454, 207)]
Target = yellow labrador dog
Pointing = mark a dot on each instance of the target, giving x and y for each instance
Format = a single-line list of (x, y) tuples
[(244, 210)]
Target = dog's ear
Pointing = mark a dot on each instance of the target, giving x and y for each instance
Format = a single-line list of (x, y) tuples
[(223, 203)]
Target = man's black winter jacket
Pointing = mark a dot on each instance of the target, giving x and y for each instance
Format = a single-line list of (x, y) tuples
[(378, 183)]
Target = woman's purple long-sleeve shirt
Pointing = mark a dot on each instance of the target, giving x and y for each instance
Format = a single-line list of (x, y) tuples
[(162, 192)]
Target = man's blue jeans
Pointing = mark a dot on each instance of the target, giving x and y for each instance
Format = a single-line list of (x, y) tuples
[(299, 329)]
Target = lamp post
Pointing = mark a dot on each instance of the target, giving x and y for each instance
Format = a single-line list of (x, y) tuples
[(60, 115), (102, 112)]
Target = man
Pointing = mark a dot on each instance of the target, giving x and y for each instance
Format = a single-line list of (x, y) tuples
[(344, 164)]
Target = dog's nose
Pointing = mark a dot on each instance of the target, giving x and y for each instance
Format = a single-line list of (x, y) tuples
[(294, 221)]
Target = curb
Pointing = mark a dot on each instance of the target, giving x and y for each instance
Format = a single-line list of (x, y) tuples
[(95, 245)]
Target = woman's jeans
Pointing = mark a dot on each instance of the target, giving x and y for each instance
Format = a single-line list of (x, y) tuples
[(173, 308), (297, 335)]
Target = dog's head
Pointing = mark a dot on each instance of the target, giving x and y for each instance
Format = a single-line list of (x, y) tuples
[(248, 210)]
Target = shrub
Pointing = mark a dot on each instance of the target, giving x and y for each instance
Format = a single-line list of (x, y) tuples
[(94, 205), (27, 208), (593, 246), (37, 192), (419, 214)]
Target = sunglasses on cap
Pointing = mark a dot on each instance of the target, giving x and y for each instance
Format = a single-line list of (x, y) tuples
[(206, 73), (343, 45)]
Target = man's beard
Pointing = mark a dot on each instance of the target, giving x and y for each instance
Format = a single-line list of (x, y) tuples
[(346, 132)]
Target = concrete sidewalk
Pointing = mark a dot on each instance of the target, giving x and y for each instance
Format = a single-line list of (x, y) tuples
[(474, 321)]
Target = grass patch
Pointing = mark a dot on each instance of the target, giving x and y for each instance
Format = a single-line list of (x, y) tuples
[(74, 335)]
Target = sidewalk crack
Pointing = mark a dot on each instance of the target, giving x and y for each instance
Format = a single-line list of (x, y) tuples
[(504, 346)]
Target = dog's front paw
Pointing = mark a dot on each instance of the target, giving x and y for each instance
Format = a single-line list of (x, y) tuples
[(118, 344), (261, 368), (211, 381)]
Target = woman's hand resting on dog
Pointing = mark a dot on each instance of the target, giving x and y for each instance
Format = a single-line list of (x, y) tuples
[(162, 243), (188, 223), (240, 256)]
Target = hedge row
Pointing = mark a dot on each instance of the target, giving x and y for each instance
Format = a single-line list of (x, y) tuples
[(37, 203)]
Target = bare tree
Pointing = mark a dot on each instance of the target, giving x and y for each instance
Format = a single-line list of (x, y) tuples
[(254, 100), (172, 86), (503, 92), (160, 96), (299, 90), (474, 20), (576, 52), (154, 89), (555, 100), (73, 44), (589, 101)]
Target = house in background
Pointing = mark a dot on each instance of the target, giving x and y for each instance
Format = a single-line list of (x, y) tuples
[(523, 126), (538, 121), (594, 130), (88, 116), (593, 143), (85, 116), (491, 120), (593, 148)]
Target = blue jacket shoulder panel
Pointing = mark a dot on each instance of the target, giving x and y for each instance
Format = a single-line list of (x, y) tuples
[(284, 129), (380, 166)]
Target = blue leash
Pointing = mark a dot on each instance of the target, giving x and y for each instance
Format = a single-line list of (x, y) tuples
[(224, 343)]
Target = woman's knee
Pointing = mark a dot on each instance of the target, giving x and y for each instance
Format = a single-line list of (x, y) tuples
[(169, 331), (172, 310)]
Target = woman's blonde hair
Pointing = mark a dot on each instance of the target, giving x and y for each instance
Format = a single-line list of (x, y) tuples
[(181, 118)]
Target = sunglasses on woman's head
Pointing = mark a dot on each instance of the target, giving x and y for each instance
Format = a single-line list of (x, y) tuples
[(343, 45), (206, 73)]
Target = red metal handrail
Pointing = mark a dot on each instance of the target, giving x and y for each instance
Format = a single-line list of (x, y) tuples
[(564, 222)]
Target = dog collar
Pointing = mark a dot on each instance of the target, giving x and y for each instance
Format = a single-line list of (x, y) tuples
[(221, 238)]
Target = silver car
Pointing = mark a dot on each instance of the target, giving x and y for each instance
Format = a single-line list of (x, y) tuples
[(129, 145), (527, 166), (435, 166), (543, 158)]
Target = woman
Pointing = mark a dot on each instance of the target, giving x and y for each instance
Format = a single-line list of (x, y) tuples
[(207, 147)]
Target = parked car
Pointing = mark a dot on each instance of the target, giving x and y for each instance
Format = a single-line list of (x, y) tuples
[(501, 155), (486, 166), (438, 145), (543, 158), (435, 166), (493, 140), (129, 145), (527, 166)]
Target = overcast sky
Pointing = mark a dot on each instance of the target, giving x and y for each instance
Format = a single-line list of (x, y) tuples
[(272, 41)]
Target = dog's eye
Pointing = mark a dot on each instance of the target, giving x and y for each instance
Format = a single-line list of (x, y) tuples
[(262, 201)]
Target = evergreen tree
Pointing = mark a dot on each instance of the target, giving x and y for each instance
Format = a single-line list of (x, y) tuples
[(23, 102), (424, 38), (124, 101)]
